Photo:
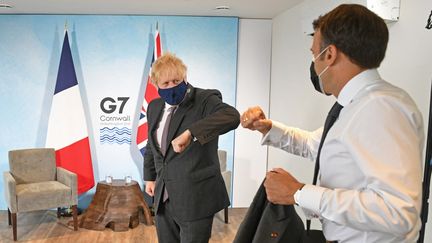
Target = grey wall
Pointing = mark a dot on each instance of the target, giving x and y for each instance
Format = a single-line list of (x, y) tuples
[(253, 88)]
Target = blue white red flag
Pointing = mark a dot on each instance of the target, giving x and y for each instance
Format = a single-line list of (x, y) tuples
[(67, 127), (150, 94)]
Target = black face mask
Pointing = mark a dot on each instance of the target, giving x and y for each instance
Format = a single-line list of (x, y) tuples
[(314, 78)]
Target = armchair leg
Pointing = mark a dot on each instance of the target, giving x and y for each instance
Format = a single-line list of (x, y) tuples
[(226, 215), (75, 217), (58, 212), (9, 217), (14, 226)]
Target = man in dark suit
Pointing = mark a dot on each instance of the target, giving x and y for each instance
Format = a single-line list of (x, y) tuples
[(181, 166)]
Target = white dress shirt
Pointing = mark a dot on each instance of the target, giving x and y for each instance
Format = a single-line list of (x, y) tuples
[(370, 166)]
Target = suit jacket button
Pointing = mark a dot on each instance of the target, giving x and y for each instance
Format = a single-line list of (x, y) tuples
[(273, 235)]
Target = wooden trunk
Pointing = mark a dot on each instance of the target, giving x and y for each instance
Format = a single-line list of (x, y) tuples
[(116, 205)]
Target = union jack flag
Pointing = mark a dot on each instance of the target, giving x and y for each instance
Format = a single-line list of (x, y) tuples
[(150, 94)]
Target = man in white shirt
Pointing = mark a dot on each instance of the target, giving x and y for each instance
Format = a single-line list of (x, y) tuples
[(370, 162)]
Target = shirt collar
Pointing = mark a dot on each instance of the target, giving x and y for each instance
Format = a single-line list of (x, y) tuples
[(168, 106), (357, 83)]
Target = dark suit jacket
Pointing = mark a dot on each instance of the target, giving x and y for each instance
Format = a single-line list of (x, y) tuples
[(193, 178), (267, 222)]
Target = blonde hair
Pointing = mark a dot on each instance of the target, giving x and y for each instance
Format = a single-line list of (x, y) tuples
[(167, 65)]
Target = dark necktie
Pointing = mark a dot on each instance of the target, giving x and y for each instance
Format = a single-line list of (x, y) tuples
[(164, 144), (331, 118)]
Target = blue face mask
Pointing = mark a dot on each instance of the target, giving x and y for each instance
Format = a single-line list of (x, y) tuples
[(174, 95)]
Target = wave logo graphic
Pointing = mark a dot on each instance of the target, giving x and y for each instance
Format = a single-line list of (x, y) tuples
[(115, 135)]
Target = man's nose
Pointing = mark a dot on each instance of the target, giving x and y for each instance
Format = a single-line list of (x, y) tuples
[(172, 84)]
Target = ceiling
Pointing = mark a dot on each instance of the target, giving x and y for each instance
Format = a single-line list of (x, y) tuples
[(266, 9)]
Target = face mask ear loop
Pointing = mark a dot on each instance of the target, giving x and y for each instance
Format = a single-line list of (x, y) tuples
[(322, 72), (314, 58), (320, 80)]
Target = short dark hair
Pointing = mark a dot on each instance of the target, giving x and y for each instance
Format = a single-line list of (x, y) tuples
[(356, 31)]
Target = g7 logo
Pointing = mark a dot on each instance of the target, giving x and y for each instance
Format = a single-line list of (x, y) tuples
[(113, 106)]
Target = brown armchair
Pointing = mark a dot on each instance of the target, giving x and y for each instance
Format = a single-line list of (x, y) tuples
[(35, 183)]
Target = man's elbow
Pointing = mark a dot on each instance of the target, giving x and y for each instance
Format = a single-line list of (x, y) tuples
[(405, 224), (235, 117)]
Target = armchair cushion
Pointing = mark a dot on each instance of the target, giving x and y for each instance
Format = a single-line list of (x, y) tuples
[(32, 165), (42, 195)]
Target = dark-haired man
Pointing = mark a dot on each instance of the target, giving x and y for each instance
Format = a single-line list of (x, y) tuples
[(370, 157)]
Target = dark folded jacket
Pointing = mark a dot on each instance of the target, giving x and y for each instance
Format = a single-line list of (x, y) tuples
[(267, 222)]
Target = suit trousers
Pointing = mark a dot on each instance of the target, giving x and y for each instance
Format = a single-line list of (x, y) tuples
[(171, 230)]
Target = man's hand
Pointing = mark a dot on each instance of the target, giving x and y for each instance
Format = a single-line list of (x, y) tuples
[(255, 119), (150, 187), (181, 142), (280, 187)]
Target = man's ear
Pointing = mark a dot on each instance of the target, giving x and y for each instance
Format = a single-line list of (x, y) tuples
[(331, 54)]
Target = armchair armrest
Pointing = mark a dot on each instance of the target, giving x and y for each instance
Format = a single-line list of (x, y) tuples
[(69, 179), (10, 191)]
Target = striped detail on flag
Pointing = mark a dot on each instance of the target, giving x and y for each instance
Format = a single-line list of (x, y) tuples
[(67, 122), (150, 94), (67, 128)]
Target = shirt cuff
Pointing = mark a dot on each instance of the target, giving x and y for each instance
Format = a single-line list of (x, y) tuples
[(194, 139), (310, 198), (274, 134)]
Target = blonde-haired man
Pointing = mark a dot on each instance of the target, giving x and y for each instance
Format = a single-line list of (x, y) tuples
[(181, 166)]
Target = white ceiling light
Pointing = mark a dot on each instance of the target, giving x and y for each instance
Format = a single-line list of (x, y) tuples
[(222, 8), (5, 5)]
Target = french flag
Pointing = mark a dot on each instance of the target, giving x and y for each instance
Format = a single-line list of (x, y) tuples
[(67, 127)]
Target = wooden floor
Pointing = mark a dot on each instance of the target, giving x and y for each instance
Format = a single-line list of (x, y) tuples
[(43, 226)]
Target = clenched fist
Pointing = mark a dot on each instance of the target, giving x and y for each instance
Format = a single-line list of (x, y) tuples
[(150, 187), (181, 142), (280, 186), (255, 119)]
